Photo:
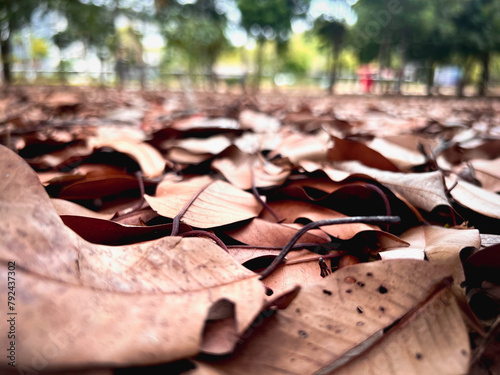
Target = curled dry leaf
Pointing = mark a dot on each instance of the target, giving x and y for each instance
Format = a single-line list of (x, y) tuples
[(477, 199), (297, 147), (488, 172), (64, 207), (423, 190), (240, 169), (440, 245), (151, 161), (219, 203), (344, 149), (86, 305), (348, 319)]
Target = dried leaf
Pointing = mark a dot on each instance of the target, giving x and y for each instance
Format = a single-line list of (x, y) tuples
[(92, 305), (218, 204), (475, 198), (259, 232), (347, 313)]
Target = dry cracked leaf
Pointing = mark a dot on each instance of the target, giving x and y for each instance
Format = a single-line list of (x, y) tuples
[(87, 305)]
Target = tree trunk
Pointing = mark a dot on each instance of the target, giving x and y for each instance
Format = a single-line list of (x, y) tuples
[(6, 60), (485, 76), (401, 72), (259, 63), (430, 78), (334, 69)]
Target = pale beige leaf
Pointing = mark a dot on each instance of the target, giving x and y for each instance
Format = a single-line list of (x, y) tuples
[(403, 157), (440, 245), (346, 313), (297, 147), (240, 169), (423, 190), (151, 161), (477, 199), (89, 305), (220, 203), (488, 172), (258, 122), (433, 341), (64, 207)]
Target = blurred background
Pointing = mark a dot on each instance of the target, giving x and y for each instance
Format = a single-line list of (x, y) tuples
[(418, 47)]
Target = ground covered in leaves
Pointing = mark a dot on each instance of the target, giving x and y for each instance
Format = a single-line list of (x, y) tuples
[(204, 233)]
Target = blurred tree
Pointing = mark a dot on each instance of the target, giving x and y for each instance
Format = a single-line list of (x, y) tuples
[(477, 36), (332, 33), (384, 25), (14, 14), (269, 20), (86, 22), (196, 30), (433, 45)]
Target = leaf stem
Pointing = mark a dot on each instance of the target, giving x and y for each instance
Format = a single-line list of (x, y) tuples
[(182, 212), (320, 223)]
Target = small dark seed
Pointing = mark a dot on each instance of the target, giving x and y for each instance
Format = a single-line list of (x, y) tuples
[(327, 292), (359, 310), (419, 356), (348, 291), (369, 274), (303, 334)]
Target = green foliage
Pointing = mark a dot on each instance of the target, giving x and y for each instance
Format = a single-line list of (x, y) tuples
[(39, 48), (195, 30), (89, 23)]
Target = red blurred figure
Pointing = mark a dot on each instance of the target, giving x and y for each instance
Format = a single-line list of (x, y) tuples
[(365, 78)]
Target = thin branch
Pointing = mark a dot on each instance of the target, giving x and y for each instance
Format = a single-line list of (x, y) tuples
[(320, 223), (261, 202)]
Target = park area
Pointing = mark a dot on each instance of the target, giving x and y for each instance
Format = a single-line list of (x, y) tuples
[(250, 187)]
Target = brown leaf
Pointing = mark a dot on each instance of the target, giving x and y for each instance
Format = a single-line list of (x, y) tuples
[(344, 149), (440, 245), (477, 199), (291, 210), (218, 204), (89, 305), (240, 168), (488, 172), (151, 161), (345, 318), (264, 233), (423, 190)]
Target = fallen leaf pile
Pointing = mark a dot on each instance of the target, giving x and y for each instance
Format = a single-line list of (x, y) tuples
[(148, 230)]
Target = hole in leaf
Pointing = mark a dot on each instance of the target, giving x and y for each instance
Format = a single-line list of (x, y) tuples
[(303, 334), (269, 292), (382, 289)]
